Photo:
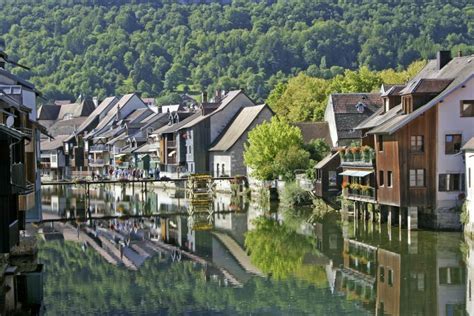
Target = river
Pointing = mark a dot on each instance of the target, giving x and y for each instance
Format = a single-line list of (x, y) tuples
[(156, 252)]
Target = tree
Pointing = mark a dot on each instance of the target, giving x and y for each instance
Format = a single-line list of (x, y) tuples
[(302, 99), (267, 151), (317, 149)]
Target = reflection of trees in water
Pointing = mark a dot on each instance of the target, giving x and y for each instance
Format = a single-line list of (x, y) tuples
[(80, 282), (277, 249)]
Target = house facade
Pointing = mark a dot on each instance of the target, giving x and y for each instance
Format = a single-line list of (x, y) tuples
[(468, 150), (418, 165), (227, 153), (23, 94)]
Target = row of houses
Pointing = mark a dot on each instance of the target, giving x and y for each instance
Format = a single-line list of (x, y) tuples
[(20, 195), (400, 151), (117, 135)]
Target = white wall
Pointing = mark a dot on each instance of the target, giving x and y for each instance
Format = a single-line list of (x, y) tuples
[(221, 159), (451, 122), (331, 119), (469, 158), (29, 100)]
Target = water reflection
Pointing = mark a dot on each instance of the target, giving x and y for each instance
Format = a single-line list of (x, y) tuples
[(233, 256)]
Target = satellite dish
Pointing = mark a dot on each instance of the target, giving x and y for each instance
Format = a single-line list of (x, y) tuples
[(10, 121)]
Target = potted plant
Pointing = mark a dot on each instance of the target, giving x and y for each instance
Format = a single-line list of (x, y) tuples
[(364, 189), (367, 153), (342, 154), (356, 153), (348, 156)]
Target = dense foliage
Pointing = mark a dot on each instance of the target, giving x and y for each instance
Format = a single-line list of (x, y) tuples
[(103, 47), (304, 98), (275, 149)]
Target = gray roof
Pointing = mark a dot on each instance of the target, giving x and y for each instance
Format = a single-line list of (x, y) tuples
[(48, 112), (228, 98), (238, 127), (114, 110), (176, 127), (326, 160), (459, 70), (314, 130), (84, 108), (103, 106), (469, 146), (11, 132), (139, 115), (379, 117), (53, 144), (148, 148), (346, 114), (66, 127)]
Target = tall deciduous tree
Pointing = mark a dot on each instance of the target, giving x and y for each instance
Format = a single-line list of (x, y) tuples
[(268, 150)]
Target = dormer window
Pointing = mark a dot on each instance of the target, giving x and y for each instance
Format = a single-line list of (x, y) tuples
[(68, 116), (407, 104), (360, 107)]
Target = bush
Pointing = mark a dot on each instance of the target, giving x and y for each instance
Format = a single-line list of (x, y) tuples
[(294, 195)]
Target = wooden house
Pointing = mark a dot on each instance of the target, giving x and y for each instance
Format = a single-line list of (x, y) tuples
[(419, 168)]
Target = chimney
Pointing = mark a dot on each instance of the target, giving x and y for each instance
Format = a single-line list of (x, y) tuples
[(96, 101), (204, 97), (443, 57), (218, 95), (460, 53)]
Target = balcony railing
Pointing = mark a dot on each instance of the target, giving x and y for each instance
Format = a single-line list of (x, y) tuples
[(364, 193), (96, 162), (357, 155), (171, 144), (98, 148)]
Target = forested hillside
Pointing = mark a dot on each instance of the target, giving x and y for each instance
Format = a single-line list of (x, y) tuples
[(103, 47)]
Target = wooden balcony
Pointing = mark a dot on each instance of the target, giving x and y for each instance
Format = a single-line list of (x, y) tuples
[(171, 144), (366, 195)]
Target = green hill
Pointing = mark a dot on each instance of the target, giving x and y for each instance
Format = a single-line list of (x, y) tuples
[(103, 47)]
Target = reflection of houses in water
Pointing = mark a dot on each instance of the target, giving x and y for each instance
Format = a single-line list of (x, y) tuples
[(396, 272), (425, 277)]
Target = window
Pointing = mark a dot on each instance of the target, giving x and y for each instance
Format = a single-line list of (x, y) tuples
[(451, 275), (417, 143), (451, 182), (467, 108), (217, 170), (382, 275), (469, 178), (223, 170), (417, 177), (389, 179), (319, 174), (380, 142), (332, 175), (453, 144), (390, 277), (381, 178)]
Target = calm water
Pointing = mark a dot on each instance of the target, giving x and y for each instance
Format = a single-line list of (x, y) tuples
[(237, 257)]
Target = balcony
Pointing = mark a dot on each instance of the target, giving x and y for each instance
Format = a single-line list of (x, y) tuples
[(171, 144), (359, 192), (98, 148), (357, 156), (96, 162)]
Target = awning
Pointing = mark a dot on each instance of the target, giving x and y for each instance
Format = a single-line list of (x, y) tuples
[(356, 173)]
